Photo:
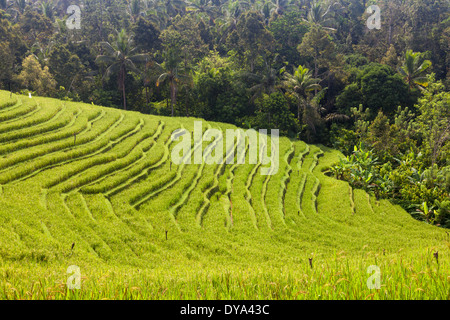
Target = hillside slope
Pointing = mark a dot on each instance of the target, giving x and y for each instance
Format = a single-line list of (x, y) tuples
[(88, 185)]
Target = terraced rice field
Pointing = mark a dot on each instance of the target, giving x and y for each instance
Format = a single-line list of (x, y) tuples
[(95, 187)]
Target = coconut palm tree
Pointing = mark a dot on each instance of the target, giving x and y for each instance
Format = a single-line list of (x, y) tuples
[(231, 12), (319, 14), (155, 11), (171, 72), (312, 115), (281, 6), (413, 70), (300, 84), (134, 10), (203, 6), (120, 58)]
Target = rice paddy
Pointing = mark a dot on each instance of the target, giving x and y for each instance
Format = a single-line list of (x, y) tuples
[(95, 187)]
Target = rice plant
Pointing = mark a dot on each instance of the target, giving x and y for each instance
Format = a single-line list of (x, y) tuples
[(96, 187)]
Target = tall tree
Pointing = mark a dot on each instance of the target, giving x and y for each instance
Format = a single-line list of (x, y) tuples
[(319, 14), (120, 58), (171, 74), (134, 10), (317, 44), (300, 84), (254, 38), (12, 48), (36, 27), (204, 7), (231, 12), (65, 66)]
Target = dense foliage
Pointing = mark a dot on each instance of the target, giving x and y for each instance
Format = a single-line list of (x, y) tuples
[(407, 159), (310, 68)]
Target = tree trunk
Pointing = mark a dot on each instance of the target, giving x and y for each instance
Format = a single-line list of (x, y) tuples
[(100, 31), (186, 103), (316, 71), (123, 89), (147, 98), (173, 95), (124, 98)]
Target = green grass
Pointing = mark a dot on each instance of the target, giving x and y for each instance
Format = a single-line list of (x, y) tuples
[(102, 179)]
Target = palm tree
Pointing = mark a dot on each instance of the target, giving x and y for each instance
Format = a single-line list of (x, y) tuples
[(134, 10), (267, 10), (149, 77), (231, 11), (155, 11), (171, 74), (301, 83), (312, 115), (203, 6), (319, 14), (281, 6), (317, 38), (413, 70), (120, 58)]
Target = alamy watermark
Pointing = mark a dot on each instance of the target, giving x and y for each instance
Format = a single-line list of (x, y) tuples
[(74, 20), (374, 281), (74, 281), (374, 21), (258, 148)]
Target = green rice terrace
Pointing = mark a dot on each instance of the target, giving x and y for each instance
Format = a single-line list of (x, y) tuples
[(95, 187)]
